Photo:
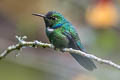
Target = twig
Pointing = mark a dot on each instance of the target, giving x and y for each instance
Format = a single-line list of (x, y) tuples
[(23, 44), (108, 62)]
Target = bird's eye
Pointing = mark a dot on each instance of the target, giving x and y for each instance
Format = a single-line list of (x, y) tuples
[(53, 18)]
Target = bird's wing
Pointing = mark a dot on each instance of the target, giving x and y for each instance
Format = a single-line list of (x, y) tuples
[(74, 42)]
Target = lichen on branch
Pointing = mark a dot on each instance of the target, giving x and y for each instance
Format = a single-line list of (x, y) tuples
[(23, 44)]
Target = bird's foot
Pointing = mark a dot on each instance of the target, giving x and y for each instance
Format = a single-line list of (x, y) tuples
[(56, 49), (62, 50)]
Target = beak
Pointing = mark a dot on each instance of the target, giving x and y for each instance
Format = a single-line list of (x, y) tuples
[(41, 15)]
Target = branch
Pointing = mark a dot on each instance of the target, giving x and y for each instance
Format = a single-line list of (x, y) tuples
[(23, 44)]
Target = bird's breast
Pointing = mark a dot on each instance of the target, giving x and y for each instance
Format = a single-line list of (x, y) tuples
[(57, 38)]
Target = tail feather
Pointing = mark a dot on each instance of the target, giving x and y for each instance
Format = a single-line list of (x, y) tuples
[(84, 61)]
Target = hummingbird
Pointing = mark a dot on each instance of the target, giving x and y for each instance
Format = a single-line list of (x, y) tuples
[(62, 34)]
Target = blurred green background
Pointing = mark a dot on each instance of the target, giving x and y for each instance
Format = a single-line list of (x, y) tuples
[(97, 22)]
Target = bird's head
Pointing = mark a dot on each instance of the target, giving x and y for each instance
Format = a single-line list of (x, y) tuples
[(53, 19)]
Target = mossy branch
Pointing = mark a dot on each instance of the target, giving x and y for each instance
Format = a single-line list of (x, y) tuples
[(23, 44)]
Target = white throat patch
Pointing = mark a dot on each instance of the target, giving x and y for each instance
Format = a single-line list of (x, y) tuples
[(50, 29)]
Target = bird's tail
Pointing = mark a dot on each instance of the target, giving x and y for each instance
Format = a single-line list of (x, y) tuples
[(84, 61)]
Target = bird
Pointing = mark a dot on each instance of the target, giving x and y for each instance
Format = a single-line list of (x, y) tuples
[(62, 34)]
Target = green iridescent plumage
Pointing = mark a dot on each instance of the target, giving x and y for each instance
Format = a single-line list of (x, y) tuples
[(62, 34)]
